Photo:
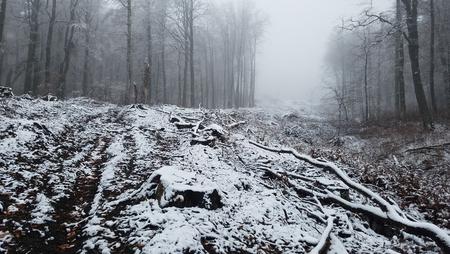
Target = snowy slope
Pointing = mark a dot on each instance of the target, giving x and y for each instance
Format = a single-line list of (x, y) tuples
[(85, 177)]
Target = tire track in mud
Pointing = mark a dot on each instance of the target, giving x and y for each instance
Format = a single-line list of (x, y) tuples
[(129, 176), (63, 234), (71, 213)]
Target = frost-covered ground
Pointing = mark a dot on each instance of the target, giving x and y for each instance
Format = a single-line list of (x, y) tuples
[(80, 176)]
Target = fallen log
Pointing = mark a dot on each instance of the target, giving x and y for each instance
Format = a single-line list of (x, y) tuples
[(433, 147), (387, 213), (184, 125), (236, 124)]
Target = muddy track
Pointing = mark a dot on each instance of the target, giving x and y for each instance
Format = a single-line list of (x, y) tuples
[(63, 234), (71, 213)]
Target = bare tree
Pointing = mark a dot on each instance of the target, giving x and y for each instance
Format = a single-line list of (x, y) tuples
[(88, 18), (2, 41), (400, 101), (432, 56), (49, 44), (411, 7), (32, 61), (181, 48), (68, 49)]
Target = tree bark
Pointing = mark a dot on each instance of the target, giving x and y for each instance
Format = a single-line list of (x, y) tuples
[(148, 66), (68, 47), (163, 63), (186, 53), (129, 50), (2, 40), (253, 75), (414, 49), (432, 56), (443, 53), (212, 77), (87, 39), (191, 51), (366, 82), (400, 101), (32, 46), (48, 48)]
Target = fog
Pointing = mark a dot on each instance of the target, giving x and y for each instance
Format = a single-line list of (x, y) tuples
[(292, 51)]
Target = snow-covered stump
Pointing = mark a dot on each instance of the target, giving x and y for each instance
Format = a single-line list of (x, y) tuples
[(177, 188), (6, 92)]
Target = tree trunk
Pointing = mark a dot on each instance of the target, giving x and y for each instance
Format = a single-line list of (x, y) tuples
[(32, 46), (212, 77), (232, 71), (366, 92), (68, 47), (2, 40), (180, 78), (48, 48), (186, 55), (225, 71), (205, 98), (163, 68), (413, 46), (163, 50), (443, 53), (191, 51), (87, 39), (400, 101), (379, 82), (253, 75), (148, 65), (129, 50), (432, 57)]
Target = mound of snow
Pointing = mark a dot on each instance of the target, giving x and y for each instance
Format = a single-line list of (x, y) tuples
[(185, 189)]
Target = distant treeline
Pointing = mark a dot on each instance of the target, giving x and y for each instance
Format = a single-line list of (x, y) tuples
[(184, 52), (393, 64)]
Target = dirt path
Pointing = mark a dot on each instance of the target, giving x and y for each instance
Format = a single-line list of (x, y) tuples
[(81, 156)]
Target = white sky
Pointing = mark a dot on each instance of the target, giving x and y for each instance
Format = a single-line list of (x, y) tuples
[(295, 43)]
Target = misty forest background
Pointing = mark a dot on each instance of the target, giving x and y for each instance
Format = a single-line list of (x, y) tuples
[(390, 65), (184, 52)]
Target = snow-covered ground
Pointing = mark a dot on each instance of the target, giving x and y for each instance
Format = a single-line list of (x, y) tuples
[(80, 176)]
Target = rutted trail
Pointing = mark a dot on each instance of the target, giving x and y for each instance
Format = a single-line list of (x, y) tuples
[(85, 177)]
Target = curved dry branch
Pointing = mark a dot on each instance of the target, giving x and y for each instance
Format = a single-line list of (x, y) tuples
[(324, 241)]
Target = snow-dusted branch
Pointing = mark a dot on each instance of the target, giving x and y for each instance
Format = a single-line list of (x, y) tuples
[(386, 212), (325, 238)]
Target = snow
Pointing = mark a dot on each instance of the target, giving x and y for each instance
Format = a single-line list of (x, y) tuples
[(40, 214), (174, 180), (104, 160)]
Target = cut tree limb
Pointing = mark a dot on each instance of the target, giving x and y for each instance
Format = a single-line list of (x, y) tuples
[(324, 241), (236, 124), (433, 147)]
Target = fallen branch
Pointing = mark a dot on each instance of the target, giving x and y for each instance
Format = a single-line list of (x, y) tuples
[(386, 212), (236, 124), (198, 126), (433, 147), (324, 241), (184, 125)]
